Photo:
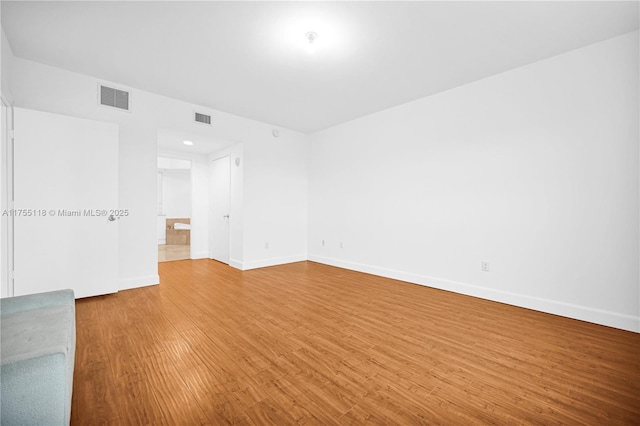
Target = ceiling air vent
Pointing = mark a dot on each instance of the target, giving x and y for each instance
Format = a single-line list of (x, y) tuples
[(203, 118), (114, 98)]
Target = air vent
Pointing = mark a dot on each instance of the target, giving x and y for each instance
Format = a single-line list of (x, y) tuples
[(203, 118), (114, 98)]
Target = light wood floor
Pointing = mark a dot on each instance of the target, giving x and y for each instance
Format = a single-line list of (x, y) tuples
[(169, 252), (310, 344)]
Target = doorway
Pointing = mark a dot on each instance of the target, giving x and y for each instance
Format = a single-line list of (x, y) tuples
[(201, 151), (174, 209)]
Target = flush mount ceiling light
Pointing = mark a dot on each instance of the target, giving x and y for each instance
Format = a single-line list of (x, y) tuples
[(311, 37), (188, 143), (311, 27)]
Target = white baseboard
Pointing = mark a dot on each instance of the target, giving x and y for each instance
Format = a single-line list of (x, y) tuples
[(235, 264), (130, 283), (273, 261), (583, 313), (200, 255)]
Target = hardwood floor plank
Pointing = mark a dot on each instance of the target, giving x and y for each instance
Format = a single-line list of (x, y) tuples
[(358, 416), (137, 404), (306, 343), (98, 391), (174, 398), (215, 399), (266, 413)]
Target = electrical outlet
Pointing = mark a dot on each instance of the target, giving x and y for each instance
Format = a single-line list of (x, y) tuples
[(322, 243), (266, 245), (341, 246), (484, 265)]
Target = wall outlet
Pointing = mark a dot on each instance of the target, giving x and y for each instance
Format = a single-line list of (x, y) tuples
[(484, 265), (266, 245), (341, 246), (322, 243)]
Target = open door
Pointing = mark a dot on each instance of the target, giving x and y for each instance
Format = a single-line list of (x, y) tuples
[(220, 206), (66, 204)]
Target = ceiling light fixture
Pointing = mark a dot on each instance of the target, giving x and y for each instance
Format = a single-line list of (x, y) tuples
[(311, 37), (188, 143)]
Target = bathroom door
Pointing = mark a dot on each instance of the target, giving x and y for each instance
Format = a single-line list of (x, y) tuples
[(66, 189), (220, 206)]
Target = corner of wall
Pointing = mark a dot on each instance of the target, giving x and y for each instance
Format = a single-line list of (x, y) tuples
[(273, 261), (6, 67), (534, 169)]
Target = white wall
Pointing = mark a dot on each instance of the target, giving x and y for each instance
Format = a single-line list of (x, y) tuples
[(272, 173), (176, 193), (172, 163), (162, 228), (6, 61), (45, 88), (199, 207), (534, 170)]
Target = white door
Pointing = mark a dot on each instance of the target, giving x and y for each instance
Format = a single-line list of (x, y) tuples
[(66, 189), (220, 201)]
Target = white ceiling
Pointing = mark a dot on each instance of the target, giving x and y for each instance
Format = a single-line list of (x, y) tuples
[(172, 141), (247, 58)]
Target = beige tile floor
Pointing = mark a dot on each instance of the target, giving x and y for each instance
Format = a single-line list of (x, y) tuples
[(167, 253)]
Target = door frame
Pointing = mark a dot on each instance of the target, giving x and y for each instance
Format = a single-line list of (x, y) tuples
[(6, 201)]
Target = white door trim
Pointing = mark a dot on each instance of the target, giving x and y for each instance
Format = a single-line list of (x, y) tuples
[(6, 201)]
